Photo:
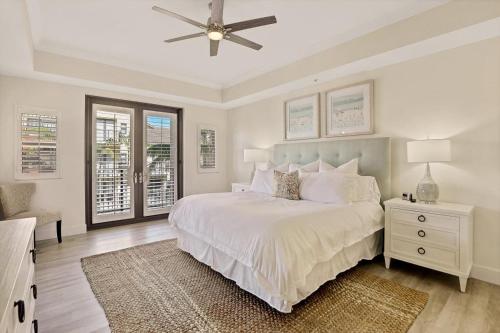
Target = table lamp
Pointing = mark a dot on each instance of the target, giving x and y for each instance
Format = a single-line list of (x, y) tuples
[(428, 151), (255, 156)]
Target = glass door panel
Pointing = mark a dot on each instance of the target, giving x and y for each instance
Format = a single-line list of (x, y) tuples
[(112, 163), (159, 162)]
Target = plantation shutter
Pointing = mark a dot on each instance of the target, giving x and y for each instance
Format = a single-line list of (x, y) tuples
[(112, 164), (160, 168), (207, 149), (37, 156)]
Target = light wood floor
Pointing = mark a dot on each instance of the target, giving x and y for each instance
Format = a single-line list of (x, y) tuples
[(66, 303)]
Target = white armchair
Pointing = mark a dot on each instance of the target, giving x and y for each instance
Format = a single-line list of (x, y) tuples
[(15, 202)]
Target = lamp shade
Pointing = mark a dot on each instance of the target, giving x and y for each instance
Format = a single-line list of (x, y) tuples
[(425, 151), (255, 155)]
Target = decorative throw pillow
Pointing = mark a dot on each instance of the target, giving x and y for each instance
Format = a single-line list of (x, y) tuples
[(286, 185)]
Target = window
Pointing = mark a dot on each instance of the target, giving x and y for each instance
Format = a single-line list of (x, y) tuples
[(37, 144), (207, 149)]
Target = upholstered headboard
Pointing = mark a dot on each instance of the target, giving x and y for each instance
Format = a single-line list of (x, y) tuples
[(374, 156)]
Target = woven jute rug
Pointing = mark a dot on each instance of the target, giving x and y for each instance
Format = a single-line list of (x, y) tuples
[(158, 288)]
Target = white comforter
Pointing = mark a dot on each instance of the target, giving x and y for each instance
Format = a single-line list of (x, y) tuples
[(280, 240)]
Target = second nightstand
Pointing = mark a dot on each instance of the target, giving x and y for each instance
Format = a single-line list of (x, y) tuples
[(240, 187), (437, 236)]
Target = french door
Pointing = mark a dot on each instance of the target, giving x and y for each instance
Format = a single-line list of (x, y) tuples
[(133, 169)]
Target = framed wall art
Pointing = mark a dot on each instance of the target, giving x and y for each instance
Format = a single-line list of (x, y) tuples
[(349, 110), (302, 118)]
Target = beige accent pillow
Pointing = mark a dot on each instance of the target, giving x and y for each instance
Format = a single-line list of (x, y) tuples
[(286, 185)]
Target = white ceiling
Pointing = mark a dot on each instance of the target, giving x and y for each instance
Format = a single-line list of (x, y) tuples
[(129, 34)]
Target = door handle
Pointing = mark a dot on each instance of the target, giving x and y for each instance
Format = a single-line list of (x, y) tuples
[(135, 177), (141, 178)]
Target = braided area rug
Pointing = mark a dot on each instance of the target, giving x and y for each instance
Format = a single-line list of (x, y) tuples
[(159, 288)]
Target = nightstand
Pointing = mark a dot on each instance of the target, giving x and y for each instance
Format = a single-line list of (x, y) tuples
[(437, 236), (240, 187)]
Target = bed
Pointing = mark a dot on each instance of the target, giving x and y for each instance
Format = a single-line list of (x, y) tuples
[(283, 250)]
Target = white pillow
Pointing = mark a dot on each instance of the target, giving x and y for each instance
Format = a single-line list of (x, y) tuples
[(263, 181), (366, 189), (310, 167), (350, 167), (327, 187)]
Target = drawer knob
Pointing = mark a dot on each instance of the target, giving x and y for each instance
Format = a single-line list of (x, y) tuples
[(421, 250), (20, 310), (35, 326), (33, 255), (35, 291), (421, 233), (421, 218)]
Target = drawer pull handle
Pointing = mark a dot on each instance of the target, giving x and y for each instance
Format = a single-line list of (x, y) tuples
[(20, 310), (35, 326), (421, 250), (421, 233), (35, 291), (33, 255), (421, 218)]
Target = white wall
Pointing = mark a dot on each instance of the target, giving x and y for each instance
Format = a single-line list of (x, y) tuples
[(67, 194), (454, 94)]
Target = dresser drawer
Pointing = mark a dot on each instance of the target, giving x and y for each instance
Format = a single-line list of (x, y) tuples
[(23, 296), (425, 219), (425, 252), (448, 238)]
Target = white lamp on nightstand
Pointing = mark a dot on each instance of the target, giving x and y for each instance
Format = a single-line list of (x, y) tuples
[(428, 151), (255, 156)]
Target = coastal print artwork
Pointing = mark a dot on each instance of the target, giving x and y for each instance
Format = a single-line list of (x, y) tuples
[(349, 110), (302, 118)]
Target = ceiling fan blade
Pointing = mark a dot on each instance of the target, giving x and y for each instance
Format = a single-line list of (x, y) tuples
[(242, 41), (217, 10), (199, 34), (179, 17), (258, 22), (214, 47)]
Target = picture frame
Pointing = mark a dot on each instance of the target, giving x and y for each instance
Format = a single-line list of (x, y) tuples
[(349, 110), (302, 118)]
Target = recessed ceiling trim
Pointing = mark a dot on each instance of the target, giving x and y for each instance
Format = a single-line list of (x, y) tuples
[(471, 34)]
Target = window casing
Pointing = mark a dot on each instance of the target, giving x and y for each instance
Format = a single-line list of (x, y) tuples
[(38, 147)]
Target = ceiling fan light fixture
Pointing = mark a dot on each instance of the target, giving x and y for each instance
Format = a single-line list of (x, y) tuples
[(215, 32), (215, 35)]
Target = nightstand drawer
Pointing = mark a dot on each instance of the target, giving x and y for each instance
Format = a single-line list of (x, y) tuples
[(423, 234), (425, 219), (424, 252)]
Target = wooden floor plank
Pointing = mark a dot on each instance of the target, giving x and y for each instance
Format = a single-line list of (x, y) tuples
[(66, 303)]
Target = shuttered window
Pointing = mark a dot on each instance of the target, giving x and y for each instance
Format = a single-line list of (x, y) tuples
[(160, 162), (112, 163), (207, 149), (37, 146)]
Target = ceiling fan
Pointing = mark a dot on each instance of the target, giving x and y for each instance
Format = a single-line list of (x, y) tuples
[(216, 30)]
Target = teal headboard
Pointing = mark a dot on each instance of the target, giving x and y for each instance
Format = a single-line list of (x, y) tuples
[(374, 156)]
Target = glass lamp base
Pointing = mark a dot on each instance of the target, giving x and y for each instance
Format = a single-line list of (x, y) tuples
[(427, 189)]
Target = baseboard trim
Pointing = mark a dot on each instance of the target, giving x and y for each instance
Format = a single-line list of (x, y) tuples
[(485, 273)]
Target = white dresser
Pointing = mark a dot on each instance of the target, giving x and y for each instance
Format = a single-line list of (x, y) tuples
[(17, 268), (240, 187), (437, 236)]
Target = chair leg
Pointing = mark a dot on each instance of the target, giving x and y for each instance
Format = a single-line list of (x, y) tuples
[(59, 236)]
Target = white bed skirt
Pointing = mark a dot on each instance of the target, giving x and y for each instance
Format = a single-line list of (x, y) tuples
[(254, 283)]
